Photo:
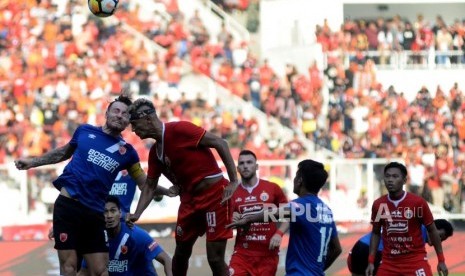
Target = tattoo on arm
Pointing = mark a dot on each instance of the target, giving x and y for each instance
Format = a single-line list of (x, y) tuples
[(54, 156)]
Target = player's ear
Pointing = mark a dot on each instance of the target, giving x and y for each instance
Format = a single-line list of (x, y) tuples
[(256, 167)]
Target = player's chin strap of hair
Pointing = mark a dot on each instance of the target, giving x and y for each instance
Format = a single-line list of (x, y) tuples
[(136, 115)]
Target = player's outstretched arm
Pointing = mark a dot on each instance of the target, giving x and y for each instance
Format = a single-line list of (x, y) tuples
[(334, 250), (166, 261), (146, 196), (221, 146), (436, 241), (52, 157)]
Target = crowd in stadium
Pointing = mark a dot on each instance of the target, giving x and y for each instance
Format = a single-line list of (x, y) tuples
[(383, 36), (59, 71)]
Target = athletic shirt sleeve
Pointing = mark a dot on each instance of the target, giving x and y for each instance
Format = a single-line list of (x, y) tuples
[(427, 217), (151, 247), (74, 140), (374, 213), (154, 170), (280, 196)]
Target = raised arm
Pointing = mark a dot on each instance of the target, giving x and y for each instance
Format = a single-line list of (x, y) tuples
[(52, 157), (160, 191), (146, 196), (221, 146), (436, 242)]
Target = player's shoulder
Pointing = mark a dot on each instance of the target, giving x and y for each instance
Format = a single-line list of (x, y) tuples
[(88, 127), (178, 125), (139, 233), (414, 198), (267, 184), (381, 199)]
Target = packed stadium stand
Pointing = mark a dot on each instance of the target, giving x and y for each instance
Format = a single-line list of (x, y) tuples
[(60, 66)]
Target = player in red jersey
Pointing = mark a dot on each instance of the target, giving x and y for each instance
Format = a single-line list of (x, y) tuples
[(257, 246), (182, 153), (400, 215)]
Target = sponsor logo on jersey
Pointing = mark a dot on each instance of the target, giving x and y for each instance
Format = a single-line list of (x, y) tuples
[(117, 266), (397, 226), (92, 136), (250, 198), (252, 208), (118, 189), (239, 199), (102, 160), (396, 214), (255, 237)]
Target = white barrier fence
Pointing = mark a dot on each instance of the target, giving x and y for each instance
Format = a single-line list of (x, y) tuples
[(27, 197)]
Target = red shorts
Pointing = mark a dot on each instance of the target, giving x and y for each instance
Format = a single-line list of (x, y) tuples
[(204, 214), (241, 265), (417, 268)]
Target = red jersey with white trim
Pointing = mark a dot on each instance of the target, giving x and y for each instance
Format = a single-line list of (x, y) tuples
[(180, 158), (255, 241), (401, 223)]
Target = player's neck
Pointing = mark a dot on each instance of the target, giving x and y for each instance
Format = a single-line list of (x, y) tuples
[(396, 195), (157, 133), (113, 232), (249, 182), (109, 131)]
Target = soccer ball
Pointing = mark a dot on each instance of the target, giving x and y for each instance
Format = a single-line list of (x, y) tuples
[(102, 8)]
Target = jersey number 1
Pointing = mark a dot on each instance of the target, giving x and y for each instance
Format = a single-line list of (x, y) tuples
[(325, 237)]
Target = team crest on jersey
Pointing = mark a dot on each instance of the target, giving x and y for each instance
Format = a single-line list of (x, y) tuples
[(63, 237), (408, 214), (231, 271), (124, 249), (122, 150), (264, 196)]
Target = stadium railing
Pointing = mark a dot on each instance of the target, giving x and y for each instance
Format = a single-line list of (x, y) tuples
[(404, 59)]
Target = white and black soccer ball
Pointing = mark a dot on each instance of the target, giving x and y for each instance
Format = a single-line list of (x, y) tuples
[(102, 8)]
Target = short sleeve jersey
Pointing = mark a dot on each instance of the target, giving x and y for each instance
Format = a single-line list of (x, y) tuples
[(255, 240), (311, 229), (132, 253), (181, 159), (401, 223), (97, 160), (124, 187)]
